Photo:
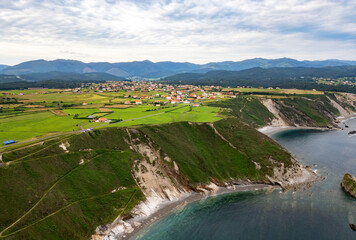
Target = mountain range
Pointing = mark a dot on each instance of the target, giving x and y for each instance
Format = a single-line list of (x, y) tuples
[(148, 69), (65, 76)]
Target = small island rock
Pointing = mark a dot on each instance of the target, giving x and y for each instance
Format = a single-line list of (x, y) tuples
[(348, 184)]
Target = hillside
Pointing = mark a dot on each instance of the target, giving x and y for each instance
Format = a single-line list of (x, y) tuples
[(148, 69), (292, 77), (53, 80), (2, 66), (64, 188), (9, 79), (302, 110)]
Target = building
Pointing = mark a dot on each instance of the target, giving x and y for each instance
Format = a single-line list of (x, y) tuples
[(102, 119)]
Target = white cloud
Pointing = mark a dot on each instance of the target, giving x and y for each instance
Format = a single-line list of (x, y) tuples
[(191, 30)]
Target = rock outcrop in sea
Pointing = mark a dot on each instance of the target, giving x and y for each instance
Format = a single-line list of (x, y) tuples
[(348, 184)]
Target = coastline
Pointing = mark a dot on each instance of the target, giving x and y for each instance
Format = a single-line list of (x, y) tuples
[(269, 130), (345, 118), (193, 197), (140, 223), (159, 208)]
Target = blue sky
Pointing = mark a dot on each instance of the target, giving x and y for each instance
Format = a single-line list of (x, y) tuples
[(197, 31)]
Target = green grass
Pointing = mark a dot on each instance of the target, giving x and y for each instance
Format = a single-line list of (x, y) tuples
[(55, 192), (35, 125), (308, 110), (134, 112), (248, 109), (276, 91), (65, 97), (207, 156), (195, 114), (254, 144), (48, 193), (82, 112)]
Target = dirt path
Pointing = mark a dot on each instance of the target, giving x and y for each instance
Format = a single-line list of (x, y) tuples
[(66, 206), (44, 195)]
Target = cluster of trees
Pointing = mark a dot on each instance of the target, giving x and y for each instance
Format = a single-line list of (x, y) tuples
[(43, 84), (8, 100)]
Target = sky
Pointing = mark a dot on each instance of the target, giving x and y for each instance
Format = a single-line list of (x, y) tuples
[(197, 31)]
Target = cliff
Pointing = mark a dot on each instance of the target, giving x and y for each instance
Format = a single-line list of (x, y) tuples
[(319, 110), (348, 184), (66, 187)]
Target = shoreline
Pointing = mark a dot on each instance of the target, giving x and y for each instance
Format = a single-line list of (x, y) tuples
[(270, 130), (345, 118), (140, 223)]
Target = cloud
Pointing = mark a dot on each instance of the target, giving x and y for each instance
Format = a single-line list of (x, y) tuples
[(191, 30)]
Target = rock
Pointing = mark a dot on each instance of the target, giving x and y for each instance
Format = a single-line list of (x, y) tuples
[(353, 226), (348, 184), (352, 132)]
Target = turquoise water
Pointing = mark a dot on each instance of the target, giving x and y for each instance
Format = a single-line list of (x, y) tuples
[(322, 212)]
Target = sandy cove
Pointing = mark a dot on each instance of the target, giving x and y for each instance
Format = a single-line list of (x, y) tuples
[(164, 207), (270, 130)]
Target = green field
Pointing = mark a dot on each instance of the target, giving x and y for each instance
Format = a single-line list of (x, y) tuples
[(33, 116), (24, 126), (276, 91)]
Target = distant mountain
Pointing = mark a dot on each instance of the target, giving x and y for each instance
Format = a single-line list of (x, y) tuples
[(41, 66), (148, 69), (63, 76), (261, 74), (3, 66), (9, 78), (93, 76)]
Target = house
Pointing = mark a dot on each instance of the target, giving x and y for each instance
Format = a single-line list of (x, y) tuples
[(127, 102), (102, 119), (138, 102), (196, 105)]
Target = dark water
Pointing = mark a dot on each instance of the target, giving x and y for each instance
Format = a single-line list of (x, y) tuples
[(321, 212)]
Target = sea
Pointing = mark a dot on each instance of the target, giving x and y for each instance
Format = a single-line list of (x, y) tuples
[(322, 211)]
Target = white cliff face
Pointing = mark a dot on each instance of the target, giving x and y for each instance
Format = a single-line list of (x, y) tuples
[(348, 98), (151, 176), (343, 112), (271, 106), (158, 187)]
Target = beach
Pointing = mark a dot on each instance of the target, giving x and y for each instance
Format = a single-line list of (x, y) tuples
[(269, 131), (167, 207)]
